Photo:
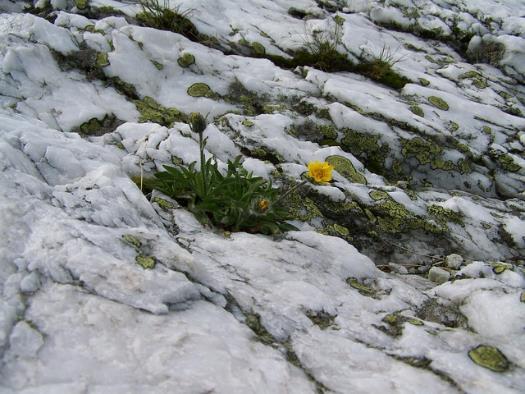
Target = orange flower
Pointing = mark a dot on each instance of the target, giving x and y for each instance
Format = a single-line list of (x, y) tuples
[(263, 204), (320, 172)]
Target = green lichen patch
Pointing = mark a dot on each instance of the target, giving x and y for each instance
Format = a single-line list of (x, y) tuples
[(489, 357), (499, 267), (151, 111), (477, 79), (417, 110), (146, 262), (507, 163), (394, 324), (163, 203), (424, 82), (186, 60), (321, 319), (81, 4), (438, 102), (247, 123), (200, 89), (270, 108), (415, 322), (443, 215), (363, 289), (453, 126), (367, 148), (97, 127), (102, 59), (301, 208), (424, 151), (377, 195), (345, 167), (131, 240), (337, 230), (328, 131)]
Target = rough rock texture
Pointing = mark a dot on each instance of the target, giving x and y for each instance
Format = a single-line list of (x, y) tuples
[(104, 289)]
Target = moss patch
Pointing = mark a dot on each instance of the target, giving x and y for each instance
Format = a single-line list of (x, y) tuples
[(345, 167), (151, 111), (507, 163), (443, 215), (102, 59), (363, 289), (186, 60), (438, 103), (146, 262), (417, 110), (489, 357), (96, 127), (131, 240), (163, 203), (81, 4), (421, 149)]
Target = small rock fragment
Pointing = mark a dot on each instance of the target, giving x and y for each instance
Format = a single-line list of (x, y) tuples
[(454, 261), (438, 275)]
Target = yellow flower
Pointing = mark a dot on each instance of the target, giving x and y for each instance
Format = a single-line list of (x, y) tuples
[(263, 204), (319, 171)]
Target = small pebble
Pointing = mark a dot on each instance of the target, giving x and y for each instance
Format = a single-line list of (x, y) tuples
[(454, 261), (438, 275)]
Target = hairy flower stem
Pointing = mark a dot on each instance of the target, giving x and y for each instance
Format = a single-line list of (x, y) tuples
[(202, 144)]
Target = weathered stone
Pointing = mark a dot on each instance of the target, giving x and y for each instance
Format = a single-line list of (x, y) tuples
[(454, 261), (438, 275)]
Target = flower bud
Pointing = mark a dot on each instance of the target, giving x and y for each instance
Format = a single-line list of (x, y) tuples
[(197, 122)]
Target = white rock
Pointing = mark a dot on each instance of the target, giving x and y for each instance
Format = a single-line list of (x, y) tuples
[(25, 341), (438, 275), (30, 283), (454, 261)]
